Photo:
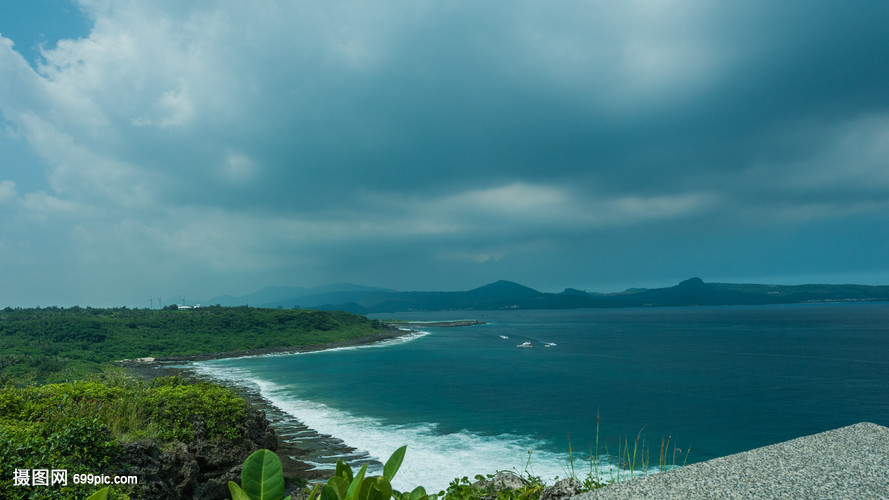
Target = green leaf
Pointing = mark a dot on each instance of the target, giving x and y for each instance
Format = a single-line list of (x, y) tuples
[(380, 489), (262, 477), (329, 492), (418, 493), (339, 485), (100, 495), (237, 492), (355, 487), (314, 491), (344, 471), (394, 463), (375, 494)]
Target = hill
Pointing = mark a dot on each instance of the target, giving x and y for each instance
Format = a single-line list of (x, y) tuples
[(510, 295)]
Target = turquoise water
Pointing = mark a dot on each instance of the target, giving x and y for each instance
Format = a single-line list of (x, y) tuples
[(715, 380)]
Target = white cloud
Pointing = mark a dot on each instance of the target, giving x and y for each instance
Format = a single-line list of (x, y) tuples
[(239, 167), (532, 210), (480, 257), (8, 193), (44, 205), (85, 174), (174, 108), (632, 209), (518, 199)]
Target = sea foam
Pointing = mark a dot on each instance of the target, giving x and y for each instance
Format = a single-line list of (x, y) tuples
[(433, 458)]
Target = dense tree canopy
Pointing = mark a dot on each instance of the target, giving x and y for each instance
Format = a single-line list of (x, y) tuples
[(52, 344)]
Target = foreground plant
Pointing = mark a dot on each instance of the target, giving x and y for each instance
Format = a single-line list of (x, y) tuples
[(346, 486), (100, 495), (262, 478)]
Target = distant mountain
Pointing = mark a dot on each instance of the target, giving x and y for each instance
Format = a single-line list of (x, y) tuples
[(503, 288), (510, 295)]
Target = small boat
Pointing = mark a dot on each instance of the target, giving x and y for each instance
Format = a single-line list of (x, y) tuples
[(525, 344), (504, 337), (549, 344)]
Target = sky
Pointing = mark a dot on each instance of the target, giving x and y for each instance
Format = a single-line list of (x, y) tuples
[(194, 149)]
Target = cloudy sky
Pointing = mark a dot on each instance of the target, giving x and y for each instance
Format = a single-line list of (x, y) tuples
[(159, 148)]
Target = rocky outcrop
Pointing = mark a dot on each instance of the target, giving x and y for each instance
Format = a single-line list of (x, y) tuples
[(201, 468), (562, 490), (502, 481), (505, 481)]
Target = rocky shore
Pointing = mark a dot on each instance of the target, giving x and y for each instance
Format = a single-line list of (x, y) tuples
[(203, 468)]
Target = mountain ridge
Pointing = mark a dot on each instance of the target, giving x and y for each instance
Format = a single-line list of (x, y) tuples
[(504, 294)]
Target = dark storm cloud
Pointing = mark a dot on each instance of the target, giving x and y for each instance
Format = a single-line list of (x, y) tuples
[(425, 145)]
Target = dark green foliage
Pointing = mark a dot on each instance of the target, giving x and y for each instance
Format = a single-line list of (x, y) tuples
[(80, 426), (82, 446), (179, 405), (57, 344)]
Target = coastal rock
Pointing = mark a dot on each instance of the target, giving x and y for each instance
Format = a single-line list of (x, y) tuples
[(502, 481), (562, 490), (169, 473), (202, 468)]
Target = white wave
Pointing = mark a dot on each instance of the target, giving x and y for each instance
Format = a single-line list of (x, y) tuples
[(433, 459), (401, 339)]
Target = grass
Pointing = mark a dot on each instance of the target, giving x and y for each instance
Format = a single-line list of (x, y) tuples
[(631, 460)]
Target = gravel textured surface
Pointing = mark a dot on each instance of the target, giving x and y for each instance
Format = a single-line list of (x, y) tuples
[(846, 463)]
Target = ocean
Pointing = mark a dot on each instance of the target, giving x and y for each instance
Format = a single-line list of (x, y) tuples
[(467, 401)]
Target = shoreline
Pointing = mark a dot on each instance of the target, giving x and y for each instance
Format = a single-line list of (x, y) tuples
[(392, 333), (300, 448)]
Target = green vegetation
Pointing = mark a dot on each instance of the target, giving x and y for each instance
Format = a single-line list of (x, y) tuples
[(101, 494), (81, 426), (57, 344), (346, 486), (484, 488), (262, 478)]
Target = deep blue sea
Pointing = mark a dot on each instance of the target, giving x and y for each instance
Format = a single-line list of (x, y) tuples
[(715, 380)]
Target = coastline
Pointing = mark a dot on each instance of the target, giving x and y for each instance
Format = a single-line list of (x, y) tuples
[(392, 333), (300, 448)]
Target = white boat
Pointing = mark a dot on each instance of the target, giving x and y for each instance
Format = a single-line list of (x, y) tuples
[(549, 344), (525, 344), (504, 337)]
